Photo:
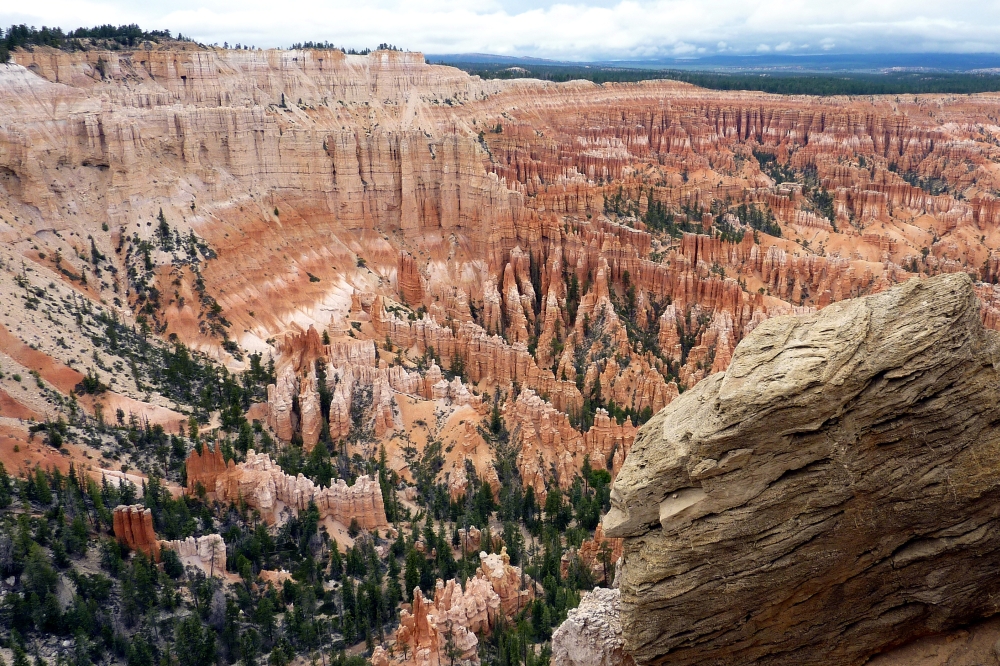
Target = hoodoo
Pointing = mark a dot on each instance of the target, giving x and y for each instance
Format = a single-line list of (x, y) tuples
[(831, 495)]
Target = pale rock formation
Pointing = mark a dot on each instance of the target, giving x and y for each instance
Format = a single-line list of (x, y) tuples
[(279, 401), (754, 506), (263, 485), (380, 657), (310, 419), (591, 634), (435, 631), (473, 540), (206, 552), (515, 592), (133, 527)]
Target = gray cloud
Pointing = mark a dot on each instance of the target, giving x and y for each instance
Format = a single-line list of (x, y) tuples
[(564, 30)]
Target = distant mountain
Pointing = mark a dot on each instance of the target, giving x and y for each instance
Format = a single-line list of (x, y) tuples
[(489, 59), (821, 62)]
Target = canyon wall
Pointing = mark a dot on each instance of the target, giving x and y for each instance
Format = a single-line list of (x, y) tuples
[(386, 230)]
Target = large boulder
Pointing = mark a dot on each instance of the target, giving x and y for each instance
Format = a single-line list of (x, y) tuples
[(831, 495)]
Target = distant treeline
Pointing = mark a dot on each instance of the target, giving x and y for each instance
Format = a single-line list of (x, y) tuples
[(123, 35), (841, 83), (327, 46)]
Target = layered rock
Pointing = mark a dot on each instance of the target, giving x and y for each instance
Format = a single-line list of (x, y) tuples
[(202, 469), (600, 555), (825, 498), (263, 485), (208, 552), (133, 527), (506, 580), (378, 185), (411, 288), (471, 540), (443, 630), (549, 442), (591, 634), (435, 632)]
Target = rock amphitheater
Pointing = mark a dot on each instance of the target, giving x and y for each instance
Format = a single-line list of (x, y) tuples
[(422, 254)]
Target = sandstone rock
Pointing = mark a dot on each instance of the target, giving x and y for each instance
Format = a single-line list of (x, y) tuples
[(133, 527), (310, 419), (410, 282), (591, 634), (473, 541), (506, 581), (548, 441), (203, 469), (205, 552), (825, 498), (379, 656), (438, 631), (600, 554), (262, 484)]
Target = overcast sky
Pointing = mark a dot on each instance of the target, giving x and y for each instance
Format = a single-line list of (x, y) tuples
[(588, 29)]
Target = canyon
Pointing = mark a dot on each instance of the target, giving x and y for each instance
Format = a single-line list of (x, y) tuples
[(436, 271)]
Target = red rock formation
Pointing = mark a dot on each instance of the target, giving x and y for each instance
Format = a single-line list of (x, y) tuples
[(600, 554), (133, 527), (450, 623), (488, 234), (203, 469), (473, 540), (410, 282), (456, 616)]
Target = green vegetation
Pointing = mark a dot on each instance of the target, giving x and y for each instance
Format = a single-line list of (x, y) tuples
[(108, 36), (841, 83)]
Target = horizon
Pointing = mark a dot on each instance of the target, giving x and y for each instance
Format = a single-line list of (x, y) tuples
[(590, 31)]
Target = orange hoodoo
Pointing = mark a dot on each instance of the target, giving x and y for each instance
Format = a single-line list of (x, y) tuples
[(133, 525)]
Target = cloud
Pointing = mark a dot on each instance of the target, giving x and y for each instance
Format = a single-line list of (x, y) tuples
[(566, 29)]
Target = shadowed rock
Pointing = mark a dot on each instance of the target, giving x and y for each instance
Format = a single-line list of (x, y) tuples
[(829, 496)]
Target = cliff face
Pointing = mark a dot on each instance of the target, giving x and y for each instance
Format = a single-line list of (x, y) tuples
[(825, 498), (568, 248)]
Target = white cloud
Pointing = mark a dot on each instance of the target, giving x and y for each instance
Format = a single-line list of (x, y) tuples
[(568, 29)]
